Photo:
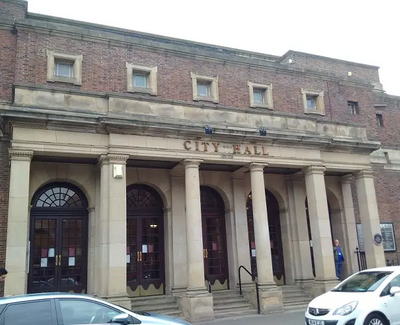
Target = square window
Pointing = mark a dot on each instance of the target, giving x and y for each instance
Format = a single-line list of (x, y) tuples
[(205, 88), (313, 101), (379, 119), (258, 96), (140, 80), (353, 108), (64, 69)]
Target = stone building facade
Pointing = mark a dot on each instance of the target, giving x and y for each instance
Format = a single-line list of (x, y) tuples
[(134, 164)]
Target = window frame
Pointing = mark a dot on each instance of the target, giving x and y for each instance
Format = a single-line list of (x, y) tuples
[(267, 95), (353, 106), (152, 78), (214, 92), (319, 102), (76, 60), (379, 120)]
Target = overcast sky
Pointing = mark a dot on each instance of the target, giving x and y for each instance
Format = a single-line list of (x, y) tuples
[(364, 31)]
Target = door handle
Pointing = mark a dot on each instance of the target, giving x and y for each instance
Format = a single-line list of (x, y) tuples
[(139, 256), (205, 253), (58, 260)]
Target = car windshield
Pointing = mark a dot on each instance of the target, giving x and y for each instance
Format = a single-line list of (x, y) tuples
[(363, 282)]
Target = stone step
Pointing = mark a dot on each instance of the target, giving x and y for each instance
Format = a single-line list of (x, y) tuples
[(296, 295), (231, 300), (237, 313), (295, 307), (296, 301), (163, 309), (146, 301), (238, 305)]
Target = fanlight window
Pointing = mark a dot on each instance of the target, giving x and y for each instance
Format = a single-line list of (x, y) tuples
[(59, 197), (141, 198)]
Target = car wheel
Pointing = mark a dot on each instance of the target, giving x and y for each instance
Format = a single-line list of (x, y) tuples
[(375, 319)]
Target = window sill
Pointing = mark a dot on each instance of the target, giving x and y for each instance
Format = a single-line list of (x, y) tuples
[(65, 80), (148, 91), (262, 106), (205, 99), (314, 112)]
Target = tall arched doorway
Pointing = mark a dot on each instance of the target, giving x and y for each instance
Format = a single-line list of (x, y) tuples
[(214, 238), (310, 235), (58, 240), (275, 235), (145, 241)]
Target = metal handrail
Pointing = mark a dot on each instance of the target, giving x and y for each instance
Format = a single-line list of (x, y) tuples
[(253, 278), (209, 284)]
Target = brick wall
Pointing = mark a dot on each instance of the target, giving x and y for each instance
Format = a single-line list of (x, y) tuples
[(365, 73), (13, 9), (4, 187), (8, 43)]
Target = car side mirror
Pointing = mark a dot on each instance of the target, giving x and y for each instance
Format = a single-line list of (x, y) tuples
[(123, 319), (394, 290)]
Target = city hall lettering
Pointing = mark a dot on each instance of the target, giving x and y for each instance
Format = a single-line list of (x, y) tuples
[(240, 149)]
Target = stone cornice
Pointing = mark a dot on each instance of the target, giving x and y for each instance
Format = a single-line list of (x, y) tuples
[(310, 170), (294, 178), (366, 173), (16, 154), (126, 38)]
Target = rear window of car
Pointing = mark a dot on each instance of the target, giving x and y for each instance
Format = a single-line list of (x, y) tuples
[(28, 313), (363, 282)]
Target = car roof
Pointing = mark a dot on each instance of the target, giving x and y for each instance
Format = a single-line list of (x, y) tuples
[(383, 269), (45, 295)]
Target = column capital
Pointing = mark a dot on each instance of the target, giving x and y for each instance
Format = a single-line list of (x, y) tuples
[(347, 179), (112, 159), (365, 173), (192, 163), (177, 171), (256, 166), (314, 170), (91, 209), (16, 154)]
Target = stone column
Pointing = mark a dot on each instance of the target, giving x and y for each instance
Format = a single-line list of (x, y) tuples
[(369, 218), (270, 295), (303, 274), (320, 229), (17, 249), (241, 229), (179, 246), (113, 228), (197, 304)]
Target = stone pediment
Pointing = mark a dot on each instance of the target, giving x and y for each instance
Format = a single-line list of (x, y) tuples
[(135, 114)]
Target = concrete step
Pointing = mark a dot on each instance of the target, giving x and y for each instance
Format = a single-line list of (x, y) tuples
[(146, 301), (157, 304), (228, 300), (295, 299), (295, 308), (158, 309), (230, 314), (236, 306)]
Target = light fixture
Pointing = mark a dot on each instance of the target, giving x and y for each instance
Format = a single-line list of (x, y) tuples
[(208, 129), (153, 226), (263, 131)]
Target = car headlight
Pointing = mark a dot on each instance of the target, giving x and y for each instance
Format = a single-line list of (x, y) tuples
[(346, 309)]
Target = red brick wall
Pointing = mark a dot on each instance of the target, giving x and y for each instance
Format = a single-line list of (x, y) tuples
[(104, 70), (389, 134), (12, 10), (4, 187), (8, 43), (335, 67)]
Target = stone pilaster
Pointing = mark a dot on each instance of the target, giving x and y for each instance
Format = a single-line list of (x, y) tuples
[(197, 303), (320, 230), (270, 294), (369, 218), (113, 228), (18, 223)]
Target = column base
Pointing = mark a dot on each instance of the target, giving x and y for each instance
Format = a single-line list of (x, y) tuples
[(320, 286), (271, 299), (197, 305), (178, 291), (122, 301), (306, 284)]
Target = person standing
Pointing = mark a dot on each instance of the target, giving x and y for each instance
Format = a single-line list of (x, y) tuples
[(339, 259), (3, 274)]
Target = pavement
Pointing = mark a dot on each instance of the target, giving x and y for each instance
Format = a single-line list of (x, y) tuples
[(286, 318)]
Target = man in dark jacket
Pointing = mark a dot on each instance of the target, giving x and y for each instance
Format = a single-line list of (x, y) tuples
[(339, 259)]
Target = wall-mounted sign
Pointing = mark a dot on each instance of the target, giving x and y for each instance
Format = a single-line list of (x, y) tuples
[(388, 238), (378, 239), (238, 149)]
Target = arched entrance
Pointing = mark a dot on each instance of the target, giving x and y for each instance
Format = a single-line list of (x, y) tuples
[(145, 241), (275, 235), (58, 240), (310, 235), (214, 238)]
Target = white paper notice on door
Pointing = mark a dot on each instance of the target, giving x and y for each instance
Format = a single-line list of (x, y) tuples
[(128, 258), (43, 262), (71, 261), (144, 249), (51, 252), (253, 253)]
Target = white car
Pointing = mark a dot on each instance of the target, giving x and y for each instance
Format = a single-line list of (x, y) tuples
[(369, 297)]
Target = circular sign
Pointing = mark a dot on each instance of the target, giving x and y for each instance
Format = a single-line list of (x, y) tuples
[(378, 239)]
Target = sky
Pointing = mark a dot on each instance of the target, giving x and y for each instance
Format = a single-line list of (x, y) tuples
[(364, 31)]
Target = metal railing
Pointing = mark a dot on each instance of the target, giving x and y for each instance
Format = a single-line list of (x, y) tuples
[(253, 278), (209, 284), (361, 259)]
